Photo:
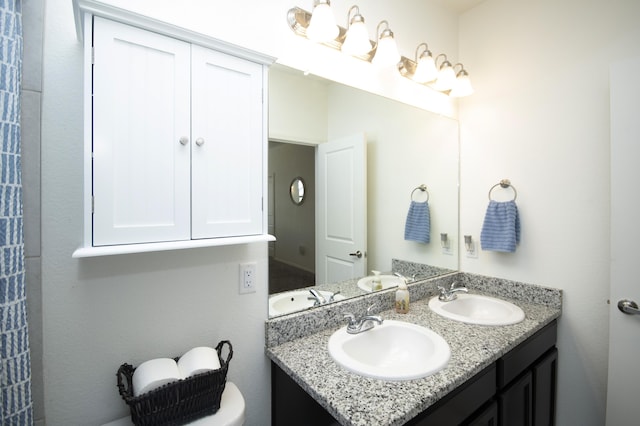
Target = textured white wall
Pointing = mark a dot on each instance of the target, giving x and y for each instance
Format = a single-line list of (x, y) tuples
[(540, 117)]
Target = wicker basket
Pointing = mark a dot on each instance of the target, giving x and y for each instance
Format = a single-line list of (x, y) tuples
[(179, 402)]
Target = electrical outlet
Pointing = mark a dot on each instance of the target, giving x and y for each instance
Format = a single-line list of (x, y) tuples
[(247, 278), (470, 247), (471, 251)]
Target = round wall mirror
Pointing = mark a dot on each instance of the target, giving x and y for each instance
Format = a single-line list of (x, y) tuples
[(297, 191)]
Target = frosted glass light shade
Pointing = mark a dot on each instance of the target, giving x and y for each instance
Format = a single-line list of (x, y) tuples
[(446, 78), (462, 87), (357, 40), (387, 53), (425, 70), (322, 27)]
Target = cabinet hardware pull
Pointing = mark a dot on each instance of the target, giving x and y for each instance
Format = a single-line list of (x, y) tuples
[(184, 140), (199, 141)]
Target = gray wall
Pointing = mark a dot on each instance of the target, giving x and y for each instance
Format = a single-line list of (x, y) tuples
[(33, 26)]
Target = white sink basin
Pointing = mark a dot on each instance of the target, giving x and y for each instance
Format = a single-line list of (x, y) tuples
[(387, 281), (478, 309), (393, 350), (296, 300)]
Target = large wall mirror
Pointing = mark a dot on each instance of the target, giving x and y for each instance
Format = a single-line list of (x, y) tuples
[(406, 147)]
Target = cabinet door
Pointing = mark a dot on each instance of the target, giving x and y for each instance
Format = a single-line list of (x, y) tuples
[(545, 373), (227, 160), (140, 112), (515, 402), (487, 417)]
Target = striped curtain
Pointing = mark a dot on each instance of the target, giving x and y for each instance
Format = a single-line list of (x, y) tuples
[(15, 365)]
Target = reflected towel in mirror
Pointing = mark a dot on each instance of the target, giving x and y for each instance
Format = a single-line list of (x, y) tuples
[(418, 225), (501, 227)]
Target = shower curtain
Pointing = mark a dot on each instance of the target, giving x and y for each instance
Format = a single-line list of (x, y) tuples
[(15, 365)]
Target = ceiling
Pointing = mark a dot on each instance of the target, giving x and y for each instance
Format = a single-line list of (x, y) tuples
[(460, 6)]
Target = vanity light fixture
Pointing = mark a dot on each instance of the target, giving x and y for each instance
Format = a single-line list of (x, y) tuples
[(322, 25), (462, 86), (425, 70), (356, 42), (386, 52)]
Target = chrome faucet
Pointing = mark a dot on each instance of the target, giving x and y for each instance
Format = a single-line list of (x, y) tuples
[(318, 298), (450, 294), (364, 323), (406, 280), (332, 297)]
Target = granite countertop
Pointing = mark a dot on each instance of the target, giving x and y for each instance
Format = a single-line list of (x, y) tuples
[(357, 400)]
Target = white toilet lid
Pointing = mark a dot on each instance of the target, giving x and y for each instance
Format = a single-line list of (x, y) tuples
[(231, 412)]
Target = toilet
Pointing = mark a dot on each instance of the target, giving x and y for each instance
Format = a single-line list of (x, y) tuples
[(231, 412)]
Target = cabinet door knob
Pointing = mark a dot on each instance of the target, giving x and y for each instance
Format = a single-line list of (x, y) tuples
[(200, 141), (184, 140)]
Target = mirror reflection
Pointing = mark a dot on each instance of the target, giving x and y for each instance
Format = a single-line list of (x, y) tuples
[(405, 147), (296, 191)]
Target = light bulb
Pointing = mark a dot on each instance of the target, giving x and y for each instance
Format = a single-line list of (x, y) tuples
[(357, 40), (462, 86), (426, 69), (387, 53), (322, 27), (446, 77)]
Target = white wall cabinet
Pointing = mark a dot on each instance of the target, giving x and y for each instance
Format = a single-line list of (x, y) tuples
[(176, 143)]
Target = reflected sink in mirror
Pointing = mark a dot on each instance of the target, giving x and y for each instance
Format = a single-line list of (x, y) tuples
[(296, 300), (393, 350), (478, 309), (388, 281)]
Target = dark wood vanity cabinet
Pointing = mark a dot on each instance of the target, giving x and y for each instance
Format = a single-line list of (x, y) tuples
[(527, 381), (518, 389)]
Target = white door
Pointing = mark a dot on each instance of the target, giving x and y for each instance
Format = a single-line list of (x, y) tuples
[(141, 173), (227, 128), (271, 212), (341, 209), (623, 390)]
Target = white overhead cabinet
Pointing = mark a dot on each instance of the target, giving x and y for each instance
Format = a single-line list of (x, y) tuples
[(177, 142)]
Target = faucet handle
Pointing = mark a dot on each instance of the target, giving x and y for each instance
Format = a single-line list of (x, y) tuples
[(351, 318)]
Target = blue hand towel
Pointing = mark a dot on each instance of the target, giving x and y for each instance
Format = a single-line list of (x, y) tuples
[(418, 225), (501, 228)]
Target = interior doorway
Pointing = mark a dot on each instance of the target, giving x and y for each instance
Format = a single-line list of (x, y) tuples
[(292, 255)]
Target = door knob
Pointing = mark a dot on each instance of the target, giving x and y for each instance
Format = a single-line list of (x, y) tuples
[(357, 254), (628, 307)]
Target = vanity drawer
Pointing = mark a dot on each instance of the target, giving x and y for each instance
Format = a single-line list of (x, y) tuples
[(512, 364)]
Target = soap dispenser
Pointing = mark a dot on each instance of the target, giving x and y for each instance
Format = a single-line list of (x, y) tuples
[(402, 297), (376, 282)]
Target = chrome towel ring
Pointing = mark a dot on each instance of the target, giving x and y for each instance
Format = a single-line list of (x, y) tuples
[(422, 188), (504, 183)]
